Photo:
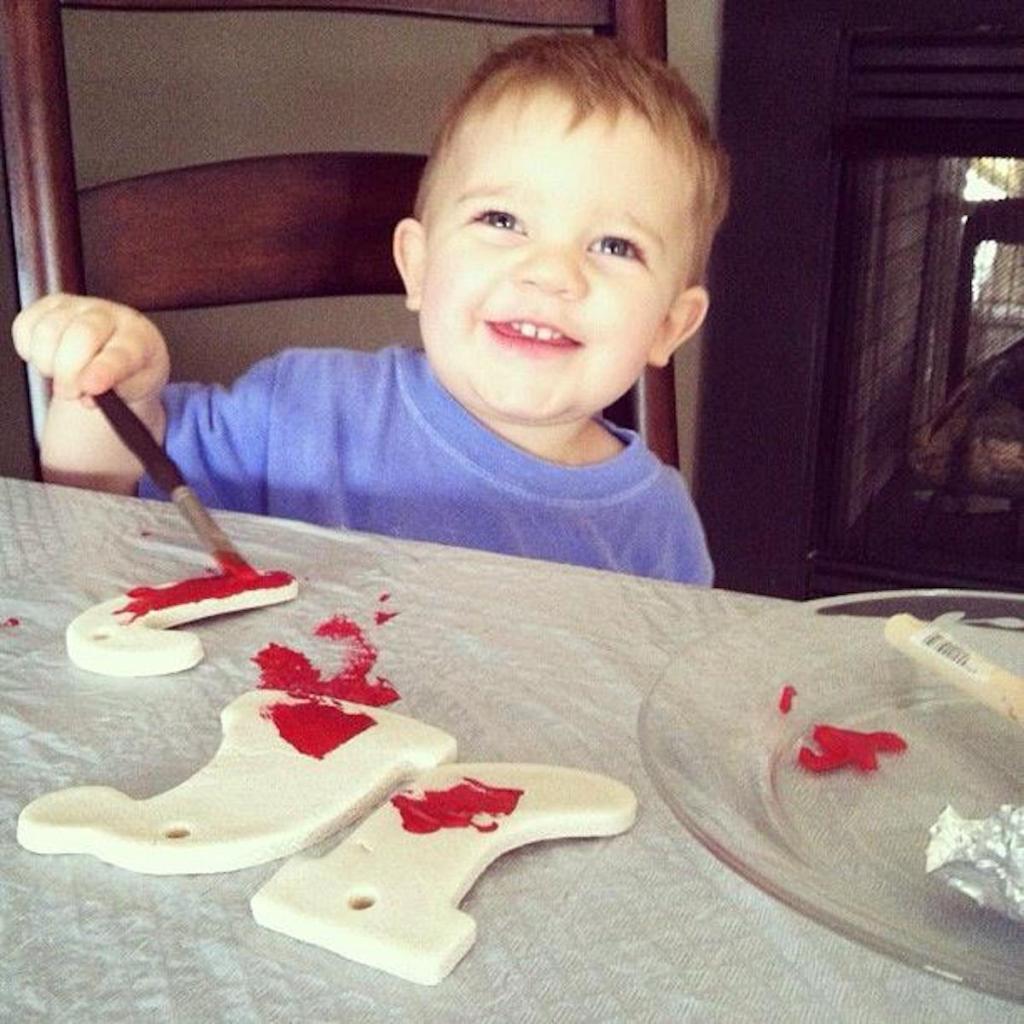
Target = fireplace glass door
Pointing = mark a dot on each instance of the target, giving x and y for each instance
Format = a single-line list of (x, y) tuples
[(926, 468)]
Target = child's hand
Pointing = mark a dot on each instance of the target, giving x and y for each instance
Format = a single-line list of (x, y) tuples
[(87, 346)]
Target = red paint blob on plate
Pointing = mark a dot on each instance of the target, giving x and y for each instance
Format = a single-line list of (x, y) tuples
[(786, 696), (456, 807), (842, 747)]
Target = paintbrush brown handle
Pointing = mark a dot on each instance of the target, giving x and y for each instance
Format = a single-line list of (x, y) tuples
[(140, 442), (166, 475)]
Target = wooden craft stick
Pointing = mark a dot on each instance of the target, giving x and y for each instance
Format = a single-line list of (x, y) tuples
[(958, 664)]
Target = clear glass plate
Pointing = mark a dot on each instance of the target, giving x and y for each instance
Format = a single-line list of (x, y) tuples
[(847, 848)]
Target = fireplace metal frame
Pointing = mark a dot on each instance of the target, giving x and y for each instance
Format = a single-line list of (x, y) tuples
[(796, 97)]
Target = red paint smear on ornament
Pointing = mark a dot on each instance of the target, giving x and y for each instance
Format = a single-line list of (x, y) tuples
[(842, 747), (456, 807), (316, 727), (786, 696), (282, 668), (204, 588), (12, 621)]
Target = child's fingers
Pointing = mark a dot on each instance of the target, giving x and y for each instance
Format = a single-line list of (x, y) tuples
[(119, 359), (48, 343), (36, 345), (87, 345), (76, 339)]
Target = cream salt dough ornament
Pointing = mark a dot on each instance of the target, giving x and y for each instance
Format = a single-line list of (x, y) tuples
[(388, 895), (132, 635), (127, 635), (290, 770)]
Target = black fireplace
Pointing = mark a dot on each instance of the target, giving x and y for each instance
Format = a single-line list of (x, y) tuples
[(862, 417)]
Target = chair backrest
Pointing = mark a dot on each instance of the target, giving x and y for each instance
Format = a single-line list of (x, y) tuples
[(245, 230)]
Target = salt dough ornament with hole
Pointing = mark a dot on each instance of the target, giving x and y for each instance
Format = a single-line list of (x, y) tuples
[(290, 770), (131, 635), (388, 896)]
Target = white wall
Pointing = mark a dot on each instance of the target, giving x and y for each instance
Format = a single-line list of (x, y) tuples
[(693, 47), (156, 90)]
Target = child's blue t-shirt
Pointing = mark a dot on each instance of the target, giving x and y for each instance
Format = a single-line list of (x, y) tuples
[(372, 441)]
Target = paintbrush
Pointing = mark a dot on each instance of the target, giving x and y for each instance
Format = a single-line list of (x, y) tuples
[(952, 659), (166, 475)]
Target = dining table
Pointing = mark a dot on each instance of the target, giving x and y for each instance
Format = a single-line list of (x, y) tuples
[(521, 661)]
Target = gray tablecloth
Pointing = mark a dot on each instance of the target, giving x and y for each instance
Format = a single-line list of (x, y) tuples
[(521, 661)]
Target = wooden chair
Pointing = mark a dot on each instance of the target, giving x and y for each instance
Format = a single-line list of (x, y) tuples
[(244, 230)]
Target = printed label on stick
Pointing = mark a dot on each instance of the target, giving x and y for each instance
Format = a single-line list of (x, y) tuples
[(943, 646)]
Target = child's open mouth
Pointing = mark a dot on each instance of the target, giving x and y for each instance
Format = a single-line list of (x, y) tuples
[(531, 337)]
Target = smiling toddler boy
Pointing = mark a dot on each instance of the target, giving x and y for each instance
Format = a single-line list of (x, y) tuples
[(558, 247)]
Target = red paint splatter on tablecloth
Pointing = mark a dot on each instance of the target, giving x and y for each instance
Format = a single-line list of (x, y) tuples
[(9, 622), (316, 726), (380, 616), (786, 696), (842, 747), (340, 627), (456, 807), (204, 588), (282, 668)]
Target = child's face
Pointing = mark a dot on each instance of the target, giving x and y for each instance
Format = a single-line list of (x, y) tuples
[(550, 268)]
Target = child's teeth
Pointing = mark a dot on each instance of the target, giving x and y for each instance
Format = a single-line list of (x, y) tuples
[(528, 330)]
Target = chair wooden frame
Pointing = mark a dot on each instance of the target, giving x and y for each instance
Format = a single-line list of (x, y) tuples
[(56, 229)]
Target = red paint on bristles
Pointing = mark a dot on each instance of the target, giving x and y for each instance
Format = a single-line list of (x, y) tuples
[(232, 564)]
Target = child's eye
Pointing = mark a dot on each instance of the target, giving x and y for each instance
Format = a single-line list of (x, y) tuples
[(610, 245), (499, 219)]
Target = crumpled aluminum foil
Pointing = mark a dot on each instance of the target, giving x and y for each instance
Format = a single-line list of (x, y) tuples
[(982, 858)]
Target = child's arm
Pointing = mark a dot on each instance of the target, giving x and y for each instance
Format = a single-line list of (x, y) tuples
[(87, 346)]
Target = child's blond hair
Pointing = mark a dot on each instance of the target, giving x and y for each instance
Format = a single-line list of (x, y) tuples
[(598, 74)]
